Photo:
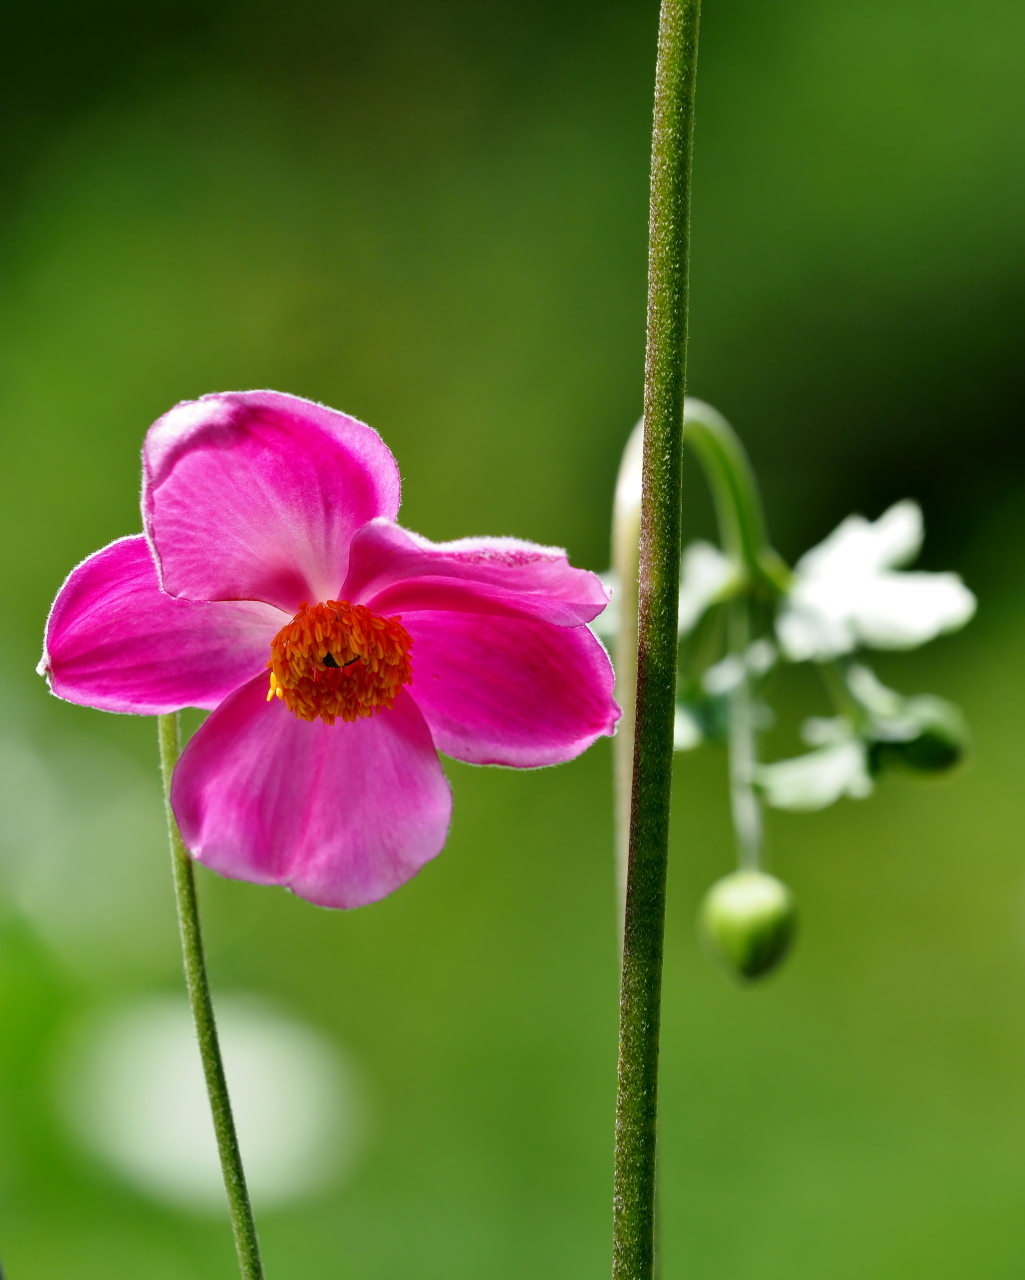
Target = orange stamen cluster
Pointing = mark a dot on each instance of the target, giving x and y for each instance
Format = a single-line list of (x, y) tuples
[(339, 661)]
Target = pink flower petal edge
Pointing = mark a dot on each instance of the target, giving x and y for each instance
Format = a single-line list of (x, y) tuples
[(340, 818), (256, 495), (510, 691), (393, 570), (115, 641)]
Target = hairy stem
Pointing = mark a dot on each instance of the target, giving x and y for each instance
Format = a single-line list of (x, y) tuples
[(658, 587), (198, 986)]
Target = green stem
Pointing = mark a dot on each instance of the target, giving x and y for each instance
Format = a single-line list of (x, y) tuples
[(744, 803), (659, 570), (738, 506), (834, 676), (203, 1014)]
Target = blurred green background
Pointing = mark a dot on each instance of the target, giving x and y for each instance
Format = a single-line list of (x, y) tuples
[(433, 216)]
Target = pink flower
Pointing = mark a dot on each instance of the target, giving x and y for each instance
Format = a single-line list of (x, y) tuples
[(337, 652)]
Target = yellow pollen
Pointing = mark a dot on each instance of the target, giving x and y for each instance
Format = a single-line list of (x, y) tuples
[(339, 661)]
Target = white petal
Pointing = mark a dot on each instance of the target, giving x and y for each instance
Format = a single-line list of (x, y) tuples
[(845, 593), (814, 625), (826, 731), (817, 779), (725, 676), (131, 1084), (704, 571), (859, 546), (902, 610), (687, 732), (761, 657), (870, 691), (898, 534)]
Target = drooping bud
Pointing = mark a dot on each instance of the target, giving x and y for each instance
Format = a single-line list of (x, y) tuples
[(929, 736), (748, 921)]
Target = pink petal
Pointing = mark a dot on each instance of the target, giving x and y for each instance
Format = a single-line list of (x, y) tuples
[(502, 690), (342, 814), (115, 641), (393, 570), (255, 495)]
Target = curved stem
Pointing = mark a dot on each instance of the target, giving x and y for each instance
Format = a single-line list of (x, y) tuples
[(738, 505), (834, 676), (203, 1014), (658, 579)]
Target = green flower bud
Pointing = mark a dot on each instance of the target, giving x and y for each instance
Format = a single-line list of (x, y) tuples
[(748, 920), (930, 736)]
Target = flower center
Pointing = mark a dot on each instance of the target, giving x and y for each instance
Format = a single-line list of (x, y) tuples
[(339, 661)]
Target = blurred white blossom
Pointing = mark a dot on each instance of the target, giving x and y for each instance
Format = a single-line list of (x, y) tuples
[(704, 572), (688, 731), (728, 673), (847, 592), (131, 1088), (838, 768)]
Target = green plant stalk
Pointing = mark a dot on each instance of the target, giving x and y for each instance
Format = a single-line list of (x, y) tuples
[(198, 986), (745, 805), (658, 593), (834, 677), (738, 506)]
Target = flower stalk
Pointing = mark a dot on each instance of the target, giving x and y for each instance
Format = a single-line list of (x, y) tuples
[(755, 565), (198, 987), (738, 504), (626, 535), (745, 806), (658, 587)]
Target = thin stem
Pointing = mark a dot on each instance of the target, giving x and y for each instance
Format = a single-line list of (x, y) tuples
[(835, 677), (203, 1014), (664, 383), (744, 803), (738, 505)]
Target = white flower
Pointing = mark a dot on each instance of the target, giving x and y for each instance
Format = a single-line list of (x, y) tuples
[(131, 1087), (727, 674), (846, 593), (817, 779), (687, 730), (838, 768), (704, 572)]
